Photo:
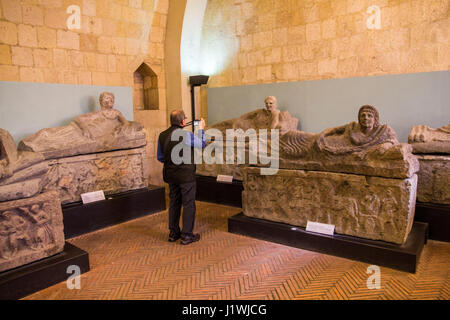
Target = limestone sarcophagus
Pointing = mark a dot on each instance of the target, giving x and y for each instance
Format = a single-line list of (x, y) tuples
[(357, 177)]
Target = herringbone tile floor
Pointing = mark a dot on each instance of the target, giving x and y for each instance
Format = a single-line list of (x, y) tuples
[(134, 260)]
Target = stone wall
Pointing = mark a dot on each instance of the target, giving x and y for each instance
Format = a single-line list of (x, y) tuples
[(38, 46), (287, 40), (115, 37)]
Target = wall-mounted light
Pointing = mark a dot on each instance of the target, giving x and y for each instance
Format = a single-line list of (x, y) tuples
[(196, 81)]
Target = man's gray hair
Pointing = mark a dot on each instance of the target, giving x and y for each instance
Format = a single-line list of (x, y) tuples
[(177, 117)]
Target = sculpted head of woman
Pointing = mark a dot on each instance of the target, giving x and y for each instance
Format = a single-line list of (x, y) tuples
[(368, 118)]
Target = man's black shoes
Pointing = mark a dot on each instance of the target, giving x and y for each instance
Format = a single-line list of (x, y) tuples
[(174, 236), (187, 239)]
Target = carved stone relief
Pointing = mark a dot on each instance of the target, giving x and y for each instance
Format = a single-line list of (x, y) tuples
[(112, 172), (367, 207), (30, 229), (434, 179)]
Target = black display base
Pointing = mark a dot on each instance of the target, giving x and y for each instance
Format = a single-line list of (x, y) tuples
[(82, 218), (30, 278), (209, 190), (438, 218), (402, 257)]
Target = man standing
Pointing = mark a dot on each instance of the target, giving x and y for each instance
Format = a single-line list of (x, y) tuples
[(180, 177)]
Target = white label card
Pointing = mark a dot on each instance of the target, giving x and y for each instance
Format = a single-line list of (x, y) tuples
[(92, 196), (224, 178), (320, 227)]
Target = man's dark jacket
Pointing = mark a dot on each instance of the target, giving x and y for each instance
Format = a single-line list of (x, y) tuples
[(175, 173)]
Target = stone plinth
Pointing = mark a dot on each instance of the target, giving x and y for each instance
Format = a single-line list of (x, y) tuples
[(362, 206), (434, 179), (112, 172), (30, 229)]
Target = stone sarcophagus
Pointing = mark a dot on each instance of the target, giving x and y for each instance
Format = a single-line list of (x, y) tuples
[(432, 148), (97, 151), (31, 223), (357, 177), (269, 118)]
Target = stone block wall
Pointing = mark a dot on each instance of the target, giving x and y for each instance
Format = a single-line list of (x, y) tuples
[(115, 37), (293, 40)]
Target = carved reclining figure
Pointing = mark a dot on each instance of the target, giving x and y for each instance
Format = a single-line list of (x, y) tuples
[(427, 140), (366, 147), (89, 133), (269, 118)]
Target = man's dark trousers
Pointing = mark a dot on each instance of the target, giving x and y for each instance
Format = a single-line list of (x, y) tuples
[(182, 194)]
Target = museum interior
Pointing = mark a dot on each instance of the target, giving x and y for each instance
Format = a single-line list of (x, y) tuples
[(322, 161)]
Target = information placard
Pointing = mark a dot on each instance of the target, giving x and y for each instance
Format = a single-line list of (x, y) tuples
[(320, 228), (93, 196), (224, 178)]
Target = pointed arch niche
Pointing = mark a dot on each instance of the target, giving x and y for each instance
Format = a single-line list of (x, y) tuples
[(145, 91)]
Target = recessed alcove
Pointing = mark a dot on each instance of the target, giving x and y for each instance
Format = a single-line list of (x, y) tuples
[(145, 92)]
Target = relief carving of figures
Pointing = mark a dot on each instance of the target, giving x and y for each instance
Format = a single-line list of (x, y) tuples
[(97, 131), (30, 229), (112, 172), (370, 204), (389, 204), (25, 228), (15, 231), (375, 208), (346, 209), (43, 234), (278, 194)]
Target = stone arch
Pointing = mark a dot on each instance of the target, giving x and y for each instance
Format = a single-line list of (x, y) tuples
[(145, 89)]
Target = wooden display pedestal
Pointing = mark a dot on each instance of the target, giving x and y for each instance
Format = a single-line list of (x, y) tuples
[(402, 257), (30, 278), (82, 218), (209, 190)]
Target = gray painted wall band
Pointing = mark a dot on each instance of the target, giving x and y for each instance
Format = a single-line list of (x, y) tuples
[(403, 100), (26, 107)]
